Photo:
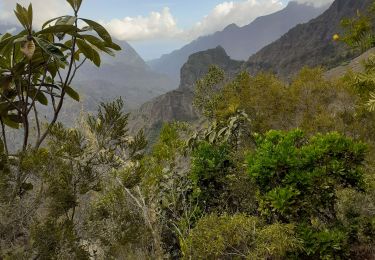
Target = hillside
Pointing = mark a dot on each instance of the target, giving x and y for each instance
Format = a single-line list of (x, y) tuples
[(285, 57), (125, 75), (240, 42), (308, 44)]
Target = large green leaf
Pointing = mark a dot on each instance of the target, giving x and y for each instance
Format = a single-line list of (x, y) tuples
[(85, 48), (9, 122), (114, 46), (66, 20), (59, 28), (99, 29), (50, 49), (72, 93), (89, 52), (96, 58), (22, 16), (98, 43), (52, 20)]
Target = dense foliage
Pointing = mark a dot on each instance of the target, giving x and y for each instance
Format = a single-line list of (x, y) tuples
[(273, 170)]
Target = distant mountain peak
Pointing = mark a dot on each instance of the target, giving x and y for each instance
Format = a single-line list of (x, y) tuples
[(240, 42), (232, 26)]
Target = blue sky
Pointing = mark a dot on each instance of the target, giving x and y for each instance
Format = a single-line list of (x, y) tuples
[(155, 27)]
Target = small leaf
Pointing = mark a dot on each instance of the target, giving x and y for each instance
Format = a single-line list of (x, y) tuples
[(30, 15), (72, 93)]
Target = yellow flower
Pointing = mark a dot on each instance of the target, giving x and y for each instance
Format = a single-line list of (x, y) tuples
[(336, 37)]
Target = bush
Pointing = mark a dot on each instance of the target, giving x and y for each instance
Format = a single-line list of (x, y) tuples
[(239, 237)]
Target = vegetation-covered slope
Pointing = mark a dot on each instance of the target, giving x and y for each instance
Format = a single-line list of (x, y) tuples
[(308, 44)]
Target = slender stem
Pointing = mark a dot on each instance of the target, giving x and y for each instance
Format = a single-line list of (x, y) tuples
[(39, 88), (26, 111), (37, 122), (4, 137)]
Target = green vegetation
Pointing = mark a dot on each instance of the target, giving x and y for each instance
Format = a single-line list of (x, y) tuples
[(276, 170)]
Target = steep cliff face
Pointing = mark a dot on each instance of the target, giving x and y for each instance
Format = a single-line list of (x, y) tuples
[(241, 42), (177, 105), (308, 44)]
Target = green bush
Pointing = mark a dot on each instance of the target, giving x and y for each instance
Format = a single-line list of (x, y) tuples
[(239, 237)]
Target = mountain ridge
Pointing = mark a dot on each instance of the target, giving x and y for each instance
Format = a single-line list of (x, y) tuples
[(240, 42)]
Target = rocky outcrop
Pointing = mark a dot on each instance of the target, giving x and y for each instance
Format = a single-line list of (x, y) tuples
[(198, 64)]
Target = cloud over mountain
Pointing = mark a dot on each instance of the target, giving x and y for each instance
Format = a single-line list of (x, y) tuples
[(159, 24), (164, 24)]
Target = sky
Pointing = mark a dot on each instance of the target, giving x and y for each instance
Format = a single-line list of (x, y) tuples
[(155, 27)]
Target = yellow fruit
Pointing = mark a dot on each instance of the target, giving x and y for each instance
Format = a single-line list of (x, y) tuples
[(28, 49), (336, 37)]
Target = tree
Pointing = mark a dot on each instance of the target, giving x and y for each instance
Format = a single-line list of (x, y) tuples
[(38, 68)]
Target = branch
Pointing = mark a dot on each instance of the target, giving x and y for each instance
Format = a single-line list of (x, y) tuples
[(37, 122)]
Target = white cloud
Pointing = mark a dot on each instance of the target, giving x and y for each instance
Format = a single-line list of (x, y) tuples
[(240, 13), (163, 24), (43, 10), (316, 3), (156, 25)]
